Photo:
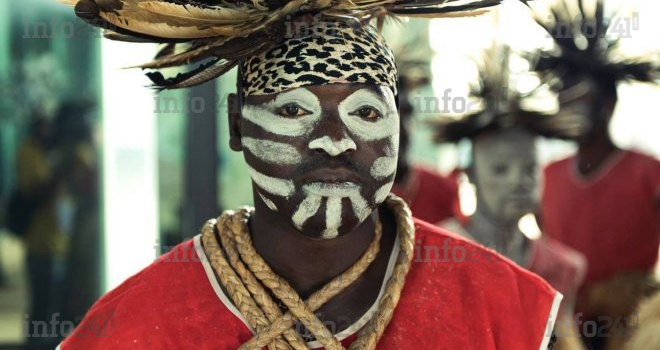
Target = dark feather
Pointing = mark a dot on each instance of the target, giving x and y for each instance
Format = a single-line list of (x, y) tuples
[(446, 9), (594, 59)]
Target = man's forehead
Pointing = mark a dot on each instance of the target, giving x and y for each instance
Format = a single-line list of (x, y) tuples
[(323, 92), (511, 141)]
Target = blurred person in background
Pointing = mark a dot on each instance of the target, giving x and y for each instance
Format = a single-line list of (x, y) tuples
[(40, 177), (505, 173), (604, 201), (431, 196), (79, 158)]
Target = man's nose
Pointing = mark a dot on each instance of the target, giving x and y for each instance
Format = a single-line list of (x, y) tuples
[(524, 179), (332, 138)]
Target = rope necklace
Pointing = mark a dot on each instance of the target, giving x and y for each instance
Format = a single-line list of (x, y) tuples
[(247, 278)]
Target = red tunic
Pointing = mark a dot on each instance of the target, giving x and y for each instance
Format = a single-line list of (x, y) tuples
[(431, 196), (561, 266), (612, 217), (460, 296)]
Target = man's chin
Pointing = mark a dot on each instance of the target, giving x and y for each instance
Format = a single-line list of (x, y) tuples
[(319, 230)]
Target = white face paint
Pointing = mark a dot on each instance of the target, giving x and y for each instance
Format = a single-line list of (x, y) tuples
[(386, 126), (506, 174), (266, 117), (334, 194), (272, 152), (268, 202), (332, 147), (382, 192), (273, 185), (316, 194)]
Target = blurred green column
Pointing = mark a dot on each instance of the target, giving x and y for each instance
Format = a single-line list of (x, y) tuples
[(200, 201)]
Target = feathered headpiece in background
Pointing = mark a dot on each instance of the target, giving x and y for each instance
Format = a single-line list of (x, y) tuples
[(503, 107), (584, 47), (217, 34)]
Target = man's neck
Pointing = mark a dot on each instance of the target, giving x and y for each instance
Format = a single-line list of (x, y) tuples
[(306, 263), (593, 152), (503, 236)]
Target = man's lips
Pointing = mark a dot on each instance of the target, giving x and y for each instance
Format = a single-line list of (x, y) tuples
[(331, 175)]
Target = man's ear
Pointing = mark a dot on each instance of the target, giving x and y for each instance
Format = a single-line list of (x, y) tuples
[(234, 111)]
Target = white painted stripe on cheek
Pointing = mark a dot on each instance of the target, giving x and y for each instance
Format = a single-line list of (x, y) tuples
[(332, 217), (360, 206), (268, 202), (392, 149), (278, 187), (272, 152), (383, 167), (306, 209), (382, 193)]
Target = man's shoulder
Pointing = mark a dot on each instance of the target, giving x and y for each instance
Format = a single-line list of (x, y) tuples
[(645, 164), (458, 282), (464, 253), (642, 157), (559, 166), (161, 306)]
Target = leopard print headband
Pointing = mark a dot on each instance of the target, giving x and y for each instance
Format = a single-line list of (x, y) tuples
[(327, 52)]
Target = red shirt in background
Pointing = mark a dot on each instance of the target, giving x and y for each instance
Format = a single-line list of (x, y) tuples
[(561, 266), (431, 196), (611, 217)]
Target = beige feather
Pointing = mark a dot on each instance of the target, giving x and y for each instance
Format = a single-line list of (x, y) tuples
[(216, 15), (149, 24)]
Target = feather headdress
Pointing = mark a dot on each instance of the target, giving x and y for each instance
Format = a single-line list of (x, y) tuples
[(217, 34), (503, 107), (586, 45)]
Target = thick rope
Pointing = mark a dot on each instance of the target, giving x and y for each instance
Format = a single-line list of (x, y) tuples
[(258, 291), (262, 312), (234, 285)]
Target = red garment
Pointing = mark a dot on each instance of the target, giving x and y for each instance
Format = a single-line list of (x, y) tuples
[(431, 196), (486, 304), (561, 266), (612, 217)]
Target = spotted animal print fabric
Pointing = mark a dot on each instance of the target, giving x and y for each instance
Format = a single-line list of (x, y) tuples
[(327, 52)]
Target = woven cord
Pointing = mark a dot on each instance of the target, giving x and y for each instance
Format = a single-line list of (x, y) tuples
[(245, 276)]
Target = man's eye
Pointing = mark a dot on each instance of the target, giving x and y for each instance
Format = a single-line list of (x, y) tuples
[(291, 110), (500, 169), (367, 113)]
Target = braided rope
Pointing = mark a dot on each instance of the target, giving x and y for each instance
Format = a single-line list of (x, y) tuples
[(247, 285), (233, 283), (258, 291)]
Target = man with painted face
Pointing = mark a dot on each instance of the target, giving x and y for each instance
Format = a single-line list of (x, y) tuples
[(325, 259), (505, 173), (604, 201)]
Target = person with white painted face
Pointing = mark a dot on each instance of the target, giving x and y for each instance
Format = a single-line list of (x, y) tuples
[(326, 258), (505, 174)]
